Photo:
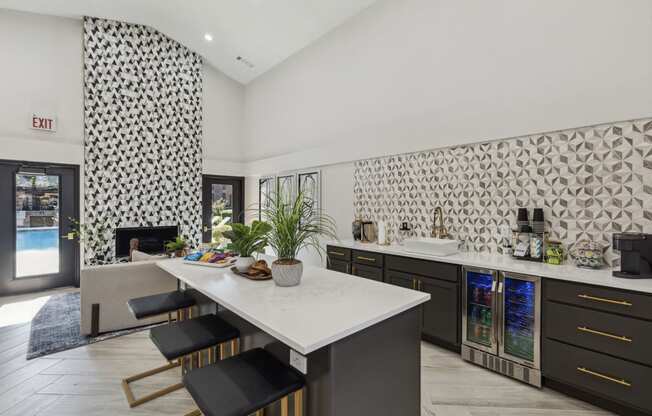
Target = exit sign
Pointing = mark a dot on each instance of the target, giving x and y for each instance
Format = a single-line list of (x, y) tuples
[(44, 122)]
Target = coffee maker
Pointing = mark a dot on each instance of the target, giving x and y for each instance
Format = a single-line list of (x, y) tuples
[(636, 255)]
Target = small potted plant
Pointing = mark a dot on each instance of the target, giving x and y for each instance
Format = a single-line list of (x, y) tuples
[(295, 226), (177, 246), (247, 241)]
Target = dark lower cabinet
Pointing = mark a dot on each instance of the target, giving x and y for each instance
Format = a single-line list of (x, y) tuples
[(339, 266), (441, 312), (441, 315), (597, 344), (398, 279), (621, 381), (368, 272)]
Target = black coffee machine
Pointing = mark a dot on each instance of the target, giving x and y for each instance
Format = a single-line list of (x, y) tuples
[(636, 255)]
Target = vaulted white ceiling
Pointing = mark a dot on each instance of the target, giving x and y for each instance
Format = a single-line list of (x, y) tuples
[(263, 32)]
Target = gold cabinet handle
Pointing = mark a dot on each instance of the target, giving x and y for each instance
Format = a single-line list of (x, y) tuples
[(337, 253), (620, 381), (419, 283), (605, 300), (364, 258), (603, 334)]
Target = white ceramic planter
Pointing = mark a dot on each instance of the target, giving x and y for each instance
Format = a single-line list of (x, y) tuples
[(287, 275), (244, 263)]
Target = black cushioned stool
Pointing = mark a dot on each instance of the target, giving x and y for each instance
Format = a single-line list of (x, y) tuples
[(245, 384), (161, 304), (150, 306)]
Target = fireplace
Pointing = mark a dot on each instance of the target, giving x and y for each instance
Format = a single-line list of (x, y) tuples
[(151, 240)]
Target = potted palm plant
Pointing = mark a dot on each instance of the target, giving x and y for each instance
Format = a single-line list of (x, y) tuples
[(177, 246), (247, 241), (295, 225)]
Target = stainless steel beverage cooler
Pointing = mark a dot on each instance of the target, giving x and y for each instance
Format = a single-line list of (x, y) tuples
[(501, 323)]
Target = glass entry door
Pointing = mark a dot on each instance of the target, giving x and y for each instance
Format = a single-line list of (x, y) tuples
[(35, 210), (223, 204), (479, 309)]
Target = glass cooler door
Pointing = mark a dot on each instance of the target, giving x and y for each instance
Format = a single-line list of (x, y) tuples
[(479, 313), (520, 323)]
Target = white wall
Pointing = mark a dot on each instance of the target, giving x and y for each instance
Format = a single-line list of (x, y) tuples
[(420, 74), (41, 71), (223, 118)]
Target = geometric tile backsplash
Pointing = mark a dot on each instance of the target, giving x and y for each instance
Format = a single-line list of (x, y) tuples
[(590, 181), (143, 133)]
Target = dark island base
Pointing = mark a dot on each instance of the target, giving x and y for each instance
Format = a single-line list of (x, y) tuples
[(376, 371)]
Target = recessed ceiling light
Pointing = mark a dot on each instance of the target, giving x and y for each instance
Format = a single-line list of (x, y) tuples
[(208, 37)]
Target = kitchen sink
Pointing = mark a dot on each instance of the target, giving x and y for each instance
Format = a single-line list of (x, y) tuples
[(432, 246)]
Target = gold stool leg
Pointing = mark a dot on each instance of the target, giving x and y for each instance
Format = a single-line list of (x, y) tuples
[(298, 402), (284, 406), (133, 401)]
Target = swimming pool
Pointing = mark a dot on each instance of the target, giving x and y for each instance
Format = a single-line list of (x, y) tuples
[(37, 239), (37, 251)]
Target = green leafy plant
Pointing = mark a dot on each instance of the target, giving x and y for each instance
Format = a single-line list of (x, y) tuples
[(247, 240), (94, 238), (178, 244), (296, 225)]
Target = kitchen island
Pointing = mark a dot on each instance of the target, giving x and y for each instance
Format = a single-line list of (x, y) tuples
[(357, 341)]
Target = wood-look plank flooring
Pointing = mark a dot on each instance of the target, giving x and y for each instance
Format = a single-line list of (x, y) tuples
[(86, 381)]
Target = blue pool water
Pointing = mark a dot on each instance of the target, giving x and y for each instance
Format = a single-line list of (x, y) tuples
[(46, 239)]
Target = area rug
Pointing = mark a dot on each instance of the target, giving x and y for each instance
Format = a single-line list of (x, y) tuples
[(55, 327)]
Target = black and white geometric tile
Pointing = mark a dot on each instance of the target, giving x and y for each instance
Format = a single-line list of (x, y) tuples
[(143, 132), (591, 182)]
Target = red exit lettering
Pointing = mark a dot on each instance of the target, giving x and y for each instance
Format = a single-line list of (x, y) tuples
[(42, 123)]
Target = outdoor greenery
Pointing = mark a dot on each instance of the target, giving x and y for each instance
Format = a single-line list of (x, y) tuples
[(247, 240), (295, 225), (221, 220)]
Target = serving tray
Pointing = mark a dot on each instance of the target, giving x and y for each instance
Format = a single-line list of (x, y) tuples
[(207, 264), (261, 277)]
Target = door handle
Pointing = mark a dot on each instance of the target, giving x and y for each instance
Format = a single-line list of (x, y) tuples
[(206, 228), (500, 287)]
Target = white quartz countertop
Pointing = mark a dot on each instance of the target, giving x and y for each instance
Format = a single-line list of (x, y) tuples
[(567, 272), (327, 306)]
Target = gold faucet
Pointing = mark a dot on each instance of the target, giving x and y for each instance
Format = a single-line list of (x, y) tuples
[(438, 231)]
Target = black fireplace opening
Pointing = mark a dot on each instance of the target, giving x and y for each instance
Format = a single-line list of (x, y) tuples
[(151, 240)]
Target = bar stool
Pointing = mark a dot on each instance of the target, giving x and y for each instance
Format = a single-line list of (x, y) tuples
[(245, 384), (150, 306), (188, 338), (163, 303)]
